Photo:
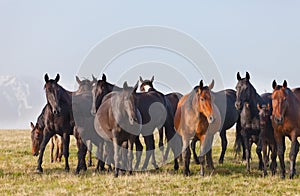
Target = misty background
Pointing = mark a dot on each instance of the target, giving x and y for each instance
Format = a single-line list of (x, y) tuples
[(261, 37)]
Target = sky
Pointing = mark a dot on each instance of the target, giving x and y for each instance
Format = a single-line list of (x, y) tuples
[(261, 37)]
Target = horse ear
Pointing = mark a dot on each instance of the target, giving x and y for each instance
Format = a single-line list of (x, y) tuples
[(258, 107), (78, 80), (136, 86), (284, 84), (247, 75), (31, 125), (46, 77), (201, 84), (125, 85), (238, 76), (57, 78), (152, 79), (268, 106), (212, 84), (104, 77), (274, 84), (94, 79), (141, 79)]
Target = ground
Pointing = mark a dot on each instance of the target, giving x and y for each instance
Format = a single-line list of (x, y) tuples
[(18, 177)]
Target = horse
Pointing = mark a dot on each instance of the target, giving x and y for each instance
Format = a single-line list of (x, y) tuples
[(285, 121), (197, 115), (57, 119), (266, 137), (225, 101), (149, 104), (173, 98), (56, 141), (245, 92), (118, 120)]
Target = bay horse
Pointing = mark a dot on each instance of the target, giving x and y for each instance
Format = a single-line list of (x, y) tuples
[(225, 101), (197, 115), (266, 137), (55, 142), (246, 95), (285, 120), (118, 120), (173, 98)]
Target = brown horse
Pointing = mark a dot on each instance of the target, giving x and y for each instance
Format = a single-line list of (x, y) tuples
[(118, 120), (285, 120), (194, 115)]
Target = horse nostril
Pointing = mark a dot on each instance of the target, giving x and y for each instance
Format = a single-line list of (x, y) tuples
[(211, 119), (237, 105)]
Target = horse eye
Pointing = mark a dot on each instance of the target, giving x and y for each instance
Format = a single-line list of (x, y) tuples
[(201, 99)]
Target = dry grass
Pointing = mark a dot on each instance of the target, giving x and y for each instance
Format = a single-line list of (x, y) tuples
[(17, 176)]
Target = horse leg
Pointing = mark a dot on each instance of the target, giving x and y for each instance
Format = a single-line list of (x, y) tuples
[(258, 152), (273, 157), (82, 149), (100, 157), (210, 163), (247, 149), (51, 149), (139, 150), (186, 154), (149, 141), (45, 141), (66, 138), (293, 154), (89, 152), (280, 141), (265, 158), (130, 153), (124, 157), (116, 153), (60, 148), (224, 145), (161, 143), (193, 147)]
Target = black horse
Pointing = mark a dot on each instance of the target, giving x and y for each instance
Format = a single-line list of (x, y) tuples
[(149, 104), (173, 98), (246, 93), (225, 101), (56, 118)]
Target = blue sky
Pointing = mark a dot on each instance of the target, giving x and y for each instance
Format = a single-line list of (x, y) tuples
[(261, 37)]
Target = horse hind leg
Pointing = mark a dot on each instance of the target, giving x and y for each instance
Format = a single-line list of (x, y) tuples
[(139, 150), (51, 149), (224, 143), (273, 165)]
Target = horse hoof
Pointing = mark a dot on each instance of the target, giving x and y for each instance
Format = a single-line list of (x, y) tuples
[(291, 176), (221, 161), (67, 169), (176, 167), (187, 173), (116, 174), (197, 162), (282, 176), (39, 170)]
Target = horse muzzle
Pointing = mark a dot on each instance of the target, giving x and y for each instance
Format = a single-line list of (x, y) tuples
[(210, 119), (238, 105), (278, 120)]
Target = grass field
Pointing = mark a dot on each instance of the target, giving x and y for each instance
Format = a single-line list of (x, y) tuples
[(18, 177)]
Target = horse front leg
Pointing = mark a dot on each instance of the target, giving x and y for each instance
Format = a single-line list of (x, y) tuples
[(51, 149), (258, 152), (130, 153), (293, 154), (116, 155), (273, 165), (265, 158), (150, 147), (161, 143), (193, 147), (139, 150), (247, 149), (45, 141), (280, 142), (186, 154), (66, 138)]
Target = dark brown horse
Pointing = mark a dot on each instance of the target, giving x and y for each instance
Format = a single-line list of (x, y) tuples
[(118, 120), (58, 119), (285, 120), (266, 137), (173, 98), (245, 92), (149, 104), (197, 115)]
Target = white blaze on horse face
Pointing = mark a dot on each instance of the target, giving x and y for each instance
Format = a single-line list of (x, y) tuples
[(147, 88)]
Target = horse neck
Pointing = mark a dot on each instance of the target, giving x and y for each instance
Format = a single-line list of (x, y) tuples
[(293, 103), (193, 103), (255, 99), (66, 96)]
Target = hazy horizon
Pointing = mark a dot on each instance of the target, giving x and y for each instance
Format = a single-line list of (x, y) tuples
[(57, 37)]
